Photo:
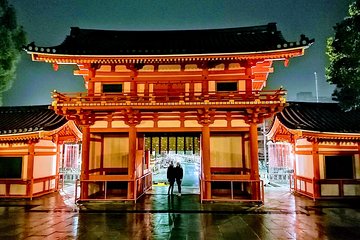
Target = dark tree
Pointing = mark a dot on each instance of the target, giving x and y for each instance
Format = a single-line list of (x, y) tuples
[(344, 54), (12, 38)]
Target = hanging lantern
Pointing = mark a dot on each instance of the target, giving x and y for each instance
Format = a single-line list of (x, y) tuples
[(55, 67)]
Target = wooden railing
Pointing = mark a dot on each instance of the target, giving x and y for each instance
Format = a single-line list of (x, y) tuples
[(141, 185), (231, 196), (337, 188), (345, 187), (277, 177), (48, 184), (168, 98), (301, 186)]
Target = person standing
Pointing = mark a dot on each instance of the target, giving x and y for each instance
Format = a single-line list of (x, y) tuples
[(171, 177), (179, 176)]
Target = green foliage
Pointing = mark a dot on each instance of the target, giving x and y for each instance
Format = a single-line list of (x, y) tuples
[(12, 38), (344, 54)]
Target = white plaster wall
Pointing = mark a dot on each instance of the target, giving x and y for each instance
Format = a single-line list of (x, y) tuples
[(329, 190), (242, 85), (357, 166), (52, 183), (239, 123), (44, 166), (225, 151), (219, 123), (94, 155), (100, 124), (146, 124), (303, 141), (17, 189), (304, 166), (322, 166), (140, 88), (116, 151), (192, 123), (38, 187), (118, 124), (97, 87), (2, 189), (303, 145), (171, 124), (126, 87), (351, 190), (197, 88), (212, 86), (24, 167), (309, 187), (45, 143)]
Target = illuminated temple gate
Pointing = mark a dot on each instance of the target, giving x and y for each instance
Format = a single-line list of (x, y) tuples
[(206, 82)]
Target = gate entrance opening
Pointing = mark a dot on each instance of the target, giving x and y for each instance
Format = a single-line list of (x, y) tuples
[(174, 147)]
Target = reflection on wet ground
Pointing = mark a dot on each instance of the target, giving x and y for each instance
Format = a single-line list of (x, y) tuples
[(159, 216)]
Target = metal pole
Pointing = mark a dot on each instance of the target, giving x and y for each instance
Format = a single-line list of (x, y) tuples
[(265, 152), (316, 87)]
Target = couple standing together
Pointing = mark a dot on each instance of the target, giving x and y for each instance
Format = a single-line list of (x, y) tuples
[(174, 174)]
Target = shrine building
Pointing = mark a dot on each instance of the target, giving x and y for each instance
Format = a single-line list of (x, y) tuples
[(152, 96), (324, 148), (31, 144)]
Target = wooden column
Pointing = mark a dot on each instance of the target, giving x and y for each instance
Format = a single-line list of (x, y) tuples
[(132, 158), (293, 145), (30, 168), (85, 151), (102, 155), (91, 88), (205, 145), (205, 83), (58, 159), (248, 81), (243, 154), (133, 88), (254, 160), (90, 82), (316, 168)]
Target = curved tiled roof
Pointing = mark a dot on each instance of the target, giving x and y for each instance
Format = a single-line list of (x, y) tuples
[(320, 117), (143, 43), (28, 119)]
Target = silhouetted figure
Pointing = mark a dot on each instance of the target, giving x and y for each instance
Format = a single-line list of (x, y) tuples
[(171, 177), (178, 176)]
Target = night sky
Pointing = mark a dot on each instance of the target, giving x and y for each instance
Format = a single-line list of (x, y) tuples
[(47, 22)]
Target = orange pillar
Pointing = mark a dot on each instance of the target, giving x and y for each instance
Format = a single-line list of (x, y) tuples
[(91, 88), (102, 156), (85, 150), (90, 83), (249, 77), (205, 145), (30, 168), (254, 160), (294, 165), (58, 158), (315, 152), (132, 158)]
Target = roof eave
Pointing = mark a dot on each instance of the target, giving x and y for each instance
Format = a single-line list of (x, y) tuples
[(170, 55), (336, 135), (277, 55)]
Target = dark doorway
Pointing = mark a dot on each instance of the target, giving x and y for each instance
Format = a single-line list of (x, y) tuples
[(174, 147)]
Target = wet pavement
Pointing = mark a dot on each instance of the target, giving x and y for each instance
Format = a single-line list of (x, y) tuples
[(159, 216)]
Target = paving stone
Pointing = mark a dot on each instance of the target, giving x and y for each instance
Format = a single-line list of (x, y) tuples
[(157, 216)]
